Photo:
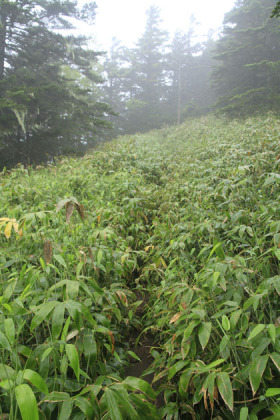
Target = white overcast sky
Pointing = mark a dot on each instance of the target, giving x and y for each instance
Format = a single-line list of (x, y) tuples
[(125, 19)]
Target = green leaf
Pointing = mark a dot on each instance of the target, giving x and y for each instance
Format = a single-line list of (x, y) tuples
[(257, 330), (225, 389), (177, 367), (145, 408), (204, 333), (26, 402), (276, 281), (218, 249), (256, 372), (275, 357), (4, 342), (79, 268), (7, 384), (139, 385), (60, 260), (57, 320), (99, 257), (42, 314), (6, 372), (8, 292), (188, 331), (66, 410), (112, 405), (210, 385), (234, 318), (10, 330), (225, 323), (73, 358), (271, 329), (124, 402), (85, 406), (184, 382), (215, 363), (244, 413), (36, 380), (132, 354), (271, 392), (253, 300), (90, 347), (46, 353), (56, 397)]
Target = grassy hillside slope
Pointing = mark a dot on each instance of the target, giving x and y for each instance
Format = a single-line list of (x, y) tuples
[(187, 215)]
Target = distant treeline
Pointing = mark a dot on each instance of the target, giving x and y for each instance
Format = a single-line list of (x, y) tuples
[(58, 97), (165, 80)]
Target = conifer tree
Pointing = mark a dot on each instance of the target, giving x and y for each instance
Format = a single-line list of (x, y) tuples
[(44, 112), (147, 76), (247, 76)]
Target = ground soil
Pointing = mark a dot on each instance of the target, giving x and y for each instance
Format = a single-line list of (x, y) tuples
[(142, 350)]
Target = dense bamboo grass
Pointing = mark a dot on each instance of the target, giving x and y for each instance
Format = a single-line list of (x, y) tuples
[(190, 216)]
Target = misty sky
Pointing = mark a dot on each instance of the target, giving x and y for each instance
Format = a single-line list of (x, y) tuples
[(125, 19)]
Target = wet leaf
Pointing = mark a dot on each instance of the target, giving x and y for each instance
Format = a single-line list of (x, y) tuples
[(256, 372), (225, 389)]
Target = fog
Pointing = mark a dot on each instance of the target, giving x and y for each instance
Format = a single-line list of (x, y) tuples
[(125, 19)]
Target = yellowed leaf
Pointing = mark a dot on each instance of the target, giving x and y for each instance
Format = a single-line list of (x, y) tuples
[(8, 230), (149, 247), (15, 226), (163, 262), (122, 297), (175, 318), (205, 398)]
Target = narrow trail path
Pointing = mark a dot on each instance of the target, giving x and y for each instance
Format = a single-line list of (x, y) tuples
[(143, 350)]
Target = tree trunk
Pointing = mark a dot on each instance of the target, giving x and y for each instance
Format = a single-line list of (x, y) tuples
[(3, 33), (179, 96)]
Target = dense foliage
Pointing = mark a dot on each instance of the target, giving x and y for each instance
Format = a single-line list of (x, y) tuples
[(188, 215)]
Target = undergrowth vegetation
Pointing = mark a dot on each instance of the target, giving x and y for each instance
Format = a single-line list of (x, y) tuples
[(188, 216)]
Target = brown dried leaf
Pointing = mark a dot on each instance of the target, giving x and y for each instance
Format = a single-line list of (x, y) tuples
[(69, 210), (48, 251), (216, 393), (205, 398), (112, 340), (277, 322), (72, 334), (81, 210)]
